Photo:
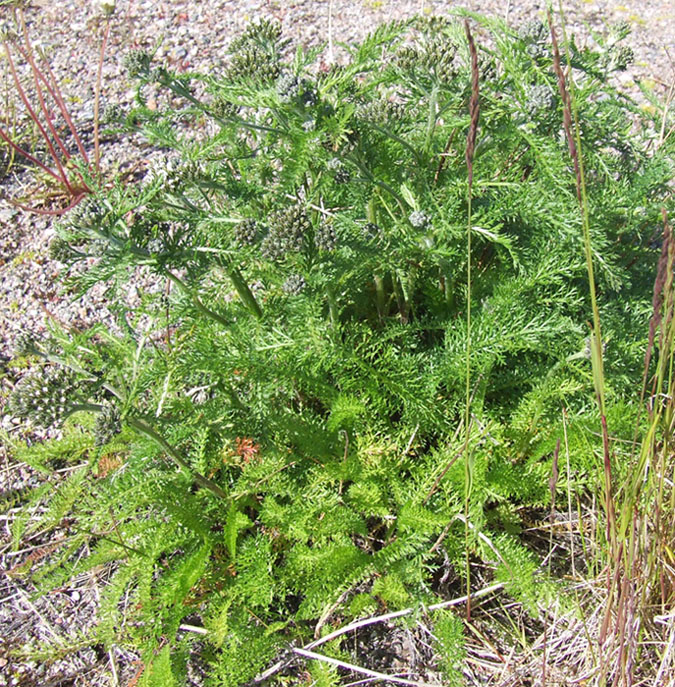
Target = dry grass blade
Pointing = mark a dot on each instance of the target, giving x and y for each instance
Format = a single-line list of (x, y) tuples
[(358, 669), (97, 97), (398, 614)]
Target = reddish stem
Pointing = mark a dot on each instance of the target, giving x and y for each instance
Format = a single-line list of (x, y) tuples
[(37, 74), (97, 97), (55, 92), (34, 117), (51, 213), (29, 58), (28, 156)]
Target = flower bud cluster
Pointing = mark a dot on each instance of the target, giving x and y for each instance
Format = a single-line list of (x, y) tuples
[(288, 86), (419, 220), (45, 396), (112, 113), (620, 57), (288, 229), (533, 31), (26, 343), (87, 214), (620, 30), (540, 98), (371, 231), (436, 57), (255, 53), (137, 63), (535, 35), (487, 67), (155, 246), (407, 58), (255, 63), (381, 112), (108, 425), (432, 23), (292, 89), (60, 250), (340, 173), (439, 57), (294, 285), (168, 171), (325, 238), (224, 109), (246, 233), (258, 31)]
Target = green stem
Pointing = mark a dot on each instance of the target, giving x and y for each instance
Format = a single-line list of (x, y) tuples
[(468, 481), (245, 292), (400, 299), (449, 291), (180, 90), (145, 429), (377, 182), (596, 336), (332, 306), (195, 299), (80, 370), (431, 121), (97, 99), (380, 296)]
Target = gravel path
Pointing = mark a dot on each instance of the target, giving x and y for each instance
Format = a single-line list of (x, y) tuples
[(193, 35)]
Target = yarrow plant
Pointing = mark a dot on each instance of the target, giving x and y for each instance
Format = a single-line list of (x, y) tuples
[(305, 365)]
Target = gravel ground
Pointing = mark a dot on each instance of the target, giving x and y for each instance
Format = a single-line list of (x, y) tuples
[(193, 35)]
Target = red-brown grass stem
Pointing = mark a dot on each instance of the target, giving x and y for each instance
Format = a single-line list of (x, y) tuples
[(567, 108), (474, 106)]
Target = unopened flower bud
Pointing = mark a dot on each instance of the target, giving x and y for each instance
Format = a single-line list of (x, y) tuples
[(107, 6)]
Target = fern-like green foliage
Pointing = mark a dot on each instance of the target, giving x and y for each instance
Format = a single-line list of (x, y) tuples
[(449, 636), (291, 396)]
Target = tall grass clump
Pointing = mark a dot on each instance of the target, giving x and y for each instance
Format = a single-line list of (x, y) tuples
[(369, 365)]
